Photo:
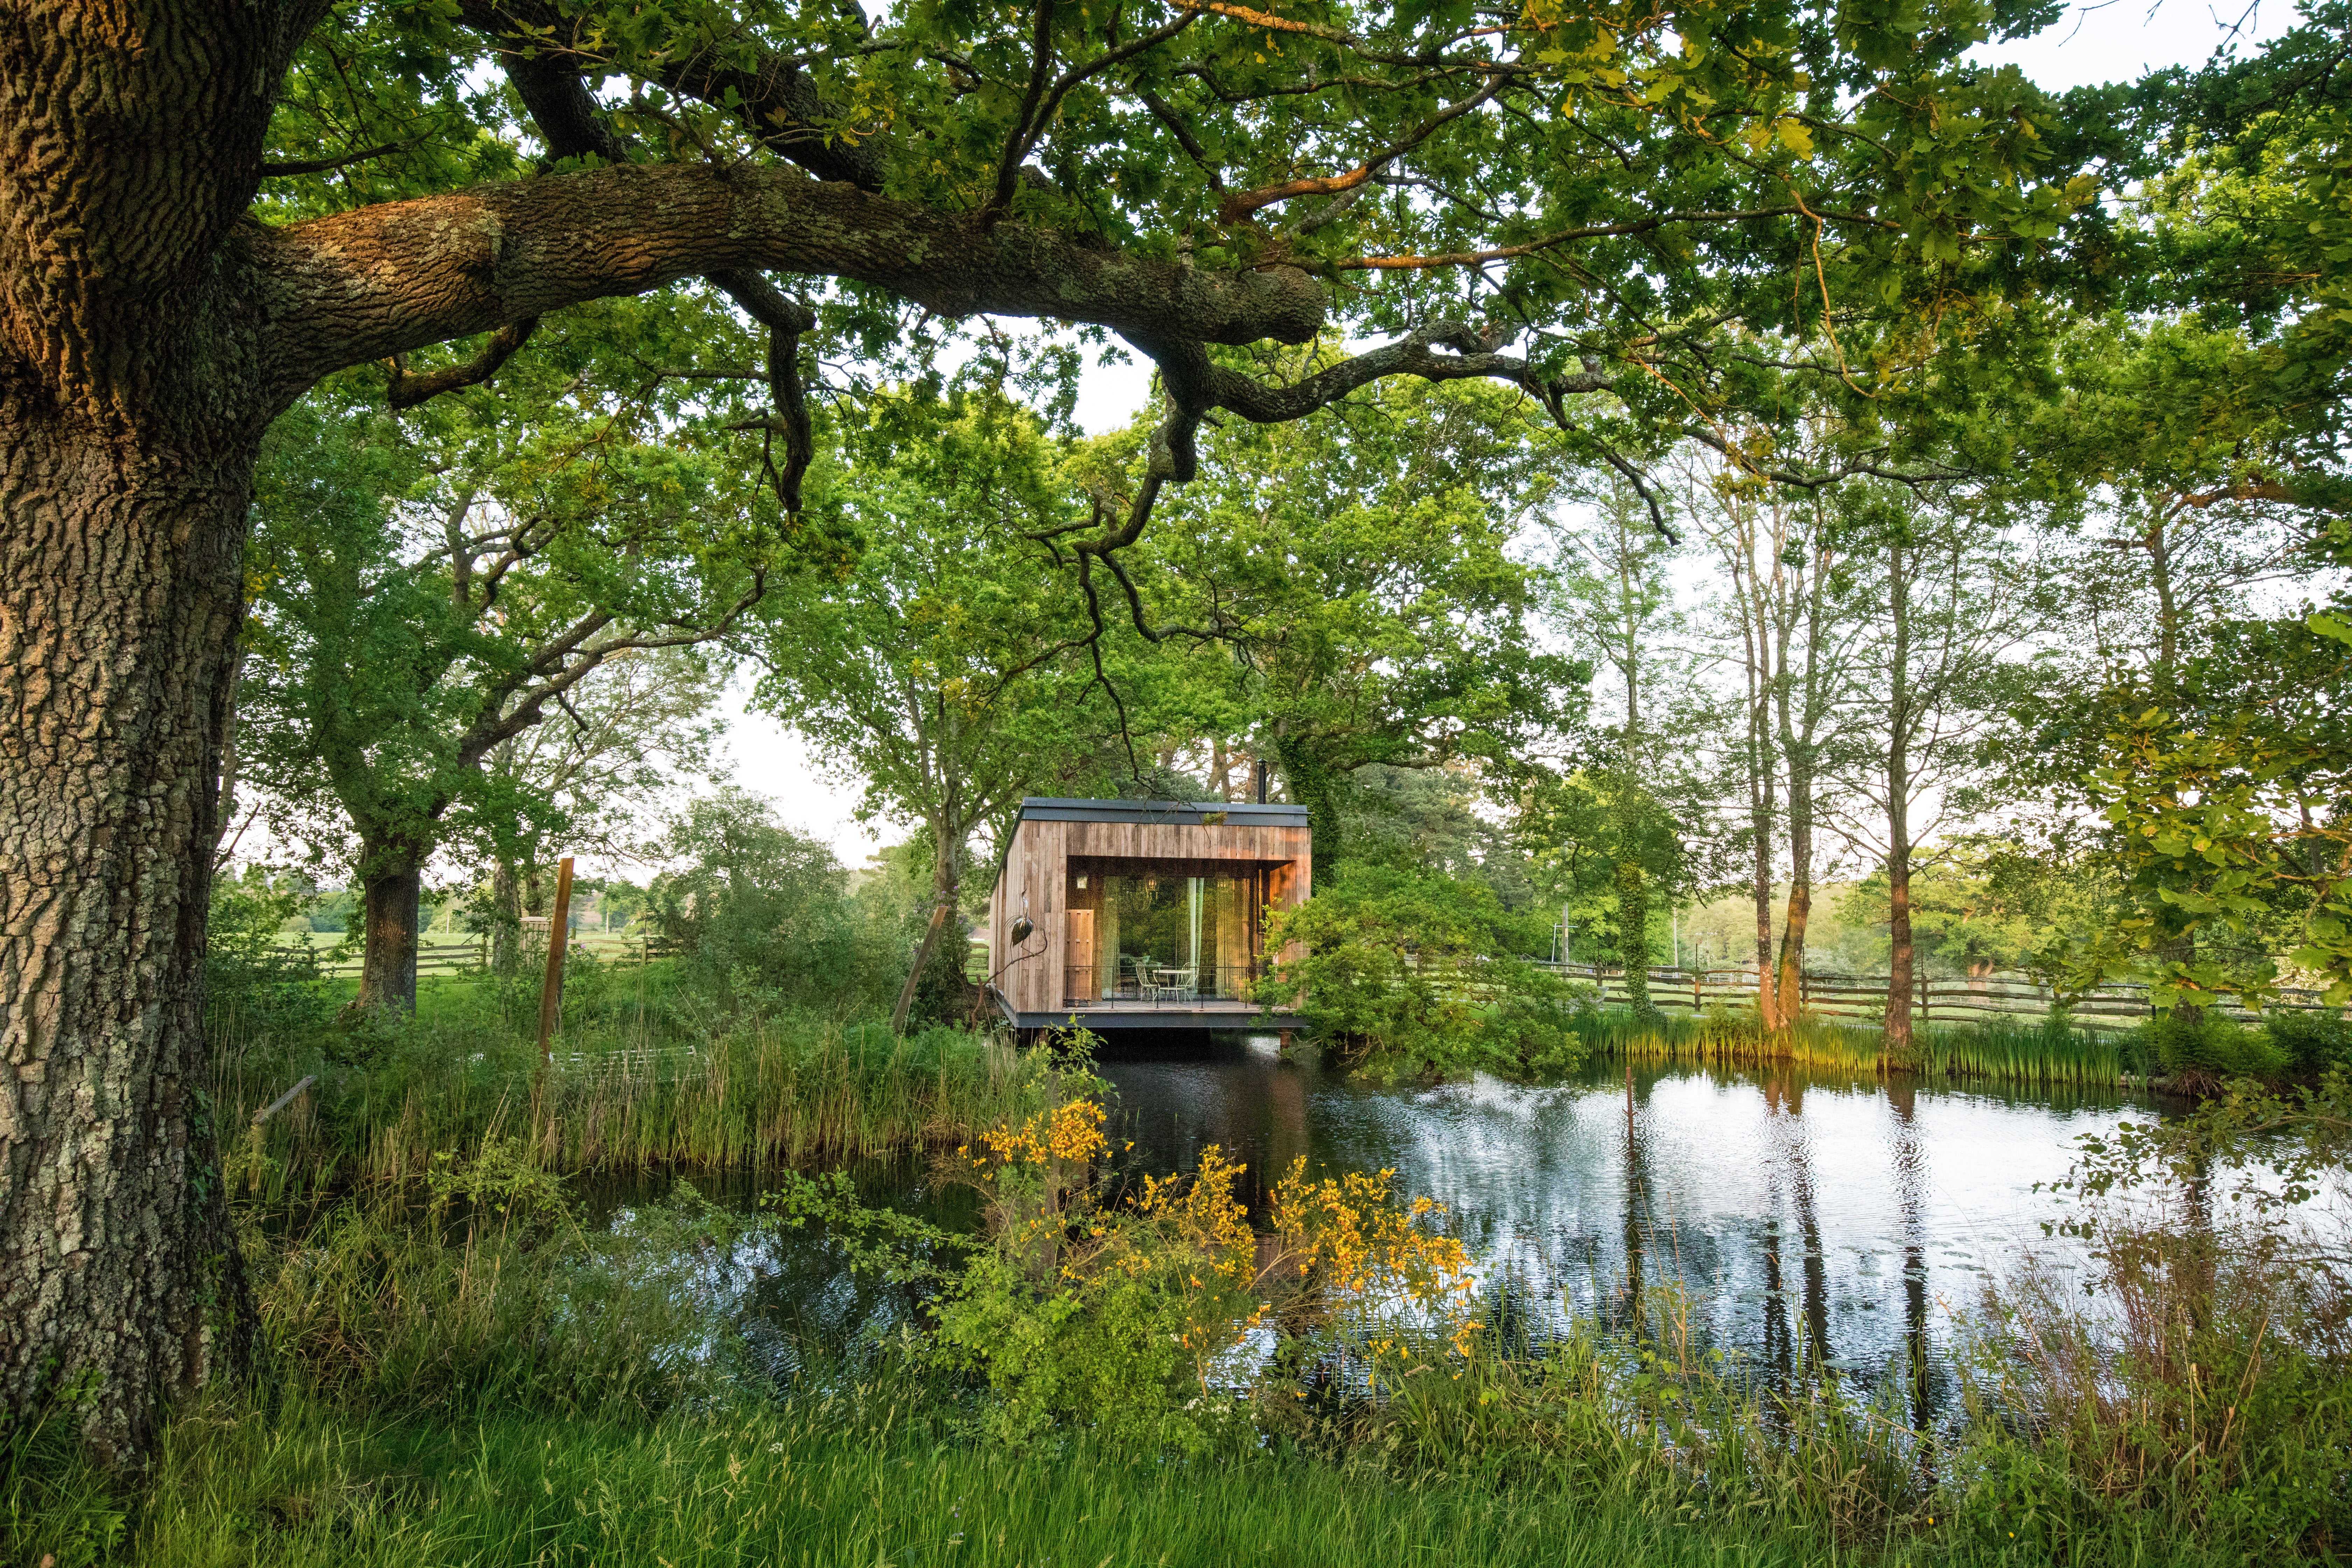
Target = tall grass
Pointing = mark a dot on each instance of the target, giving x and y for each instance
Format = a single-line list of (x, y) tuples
[(644, 1075), (852, 1482), (2041, 1053), (1558, 1463)]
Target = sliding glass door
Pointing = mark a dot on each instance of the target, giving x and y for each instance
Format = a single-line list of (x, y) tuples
[(1167, 932)]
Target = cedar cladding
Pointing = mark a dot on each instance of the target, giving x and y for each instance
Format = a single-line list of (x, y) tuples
[(1036, 879)]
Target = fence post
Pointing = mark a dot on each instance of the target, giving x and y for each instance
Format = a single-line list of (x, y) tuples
[(558, 937)]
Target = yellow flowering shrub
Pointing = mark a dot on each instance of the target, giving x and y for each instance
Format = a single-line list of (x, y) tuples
[(1350, 1254), (1139, 1310)]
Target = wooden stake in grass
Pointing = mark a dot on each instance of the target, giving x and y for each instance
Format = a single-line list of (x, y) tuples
[(551, 996)]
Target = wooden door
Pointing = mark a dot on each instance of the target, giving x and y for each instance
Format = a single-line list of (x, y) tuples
[(1078, 957)]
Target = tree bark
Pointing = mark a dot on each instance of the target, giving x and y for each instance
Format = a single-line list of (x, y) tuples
[(2182, 948), (120, 606), (947, 888), (506, 916), (1791, 968), (391, 889), (1759, 811), (1898, 805), (1799, 747)]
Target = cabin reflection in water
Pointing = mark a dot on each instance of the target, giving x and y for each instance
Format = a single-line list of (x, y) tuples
[(1142, 914)]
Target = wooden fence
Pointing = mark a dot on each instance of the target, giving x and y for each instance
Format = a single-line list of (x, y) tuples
[(1940, 999), (471, 955)]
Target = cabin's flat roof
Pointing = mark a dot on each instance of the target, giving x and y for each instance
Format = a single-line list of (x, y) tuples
[(1179, 813)]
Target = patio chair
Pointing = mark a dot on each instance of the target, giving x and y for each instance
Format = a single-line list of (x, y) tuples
[(1172, 984)]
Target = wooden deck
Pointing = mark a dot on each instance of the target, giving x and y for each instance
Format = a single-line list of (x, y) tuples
[(1128, 1013)]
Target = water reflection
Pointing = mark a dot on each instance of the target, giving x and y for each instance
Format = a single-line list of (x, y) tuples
[(1802, 1223)]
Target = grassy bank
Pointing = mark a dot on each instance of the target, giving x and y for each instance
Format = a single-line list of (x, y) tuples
[(2030, 1053), (860, 1481)]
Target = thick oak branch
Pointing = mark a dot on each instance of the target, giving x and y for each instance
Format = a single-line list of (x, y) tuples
[(385, 279)]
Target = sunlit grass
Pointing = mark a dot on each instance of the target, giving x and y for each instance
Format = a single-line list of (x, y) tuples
[(855, 1482), (2040, 1052), (645, 1074)]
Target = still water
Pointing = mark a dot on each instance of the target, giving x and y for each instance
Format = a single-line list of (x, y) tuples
[(1842, 1221)]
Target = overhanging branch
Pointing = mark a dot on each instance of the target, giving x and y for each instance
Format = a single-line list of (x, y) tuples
[(406, 390)]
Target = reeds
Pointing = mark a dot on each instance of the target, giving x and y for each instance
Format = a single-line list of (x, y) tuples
[(464, 1373), (2046, 1054), (776, 1091)]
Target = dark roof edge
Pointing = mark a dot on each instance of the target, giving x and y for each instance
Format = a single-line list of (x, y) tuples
[(1180, 813)]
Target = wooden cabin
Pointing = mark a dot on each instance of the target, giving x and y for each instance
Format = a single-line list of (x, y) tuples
[(1141, 914)]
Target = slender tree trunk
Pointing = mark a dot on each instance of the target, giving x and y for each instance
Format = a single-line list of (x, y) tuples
[(2158, 542), (1760, 806), (391, 889), (121, 597), (1898, 807), (506, 916), (1796, 746), (947, 849), (1799, 812), (1790, 982)]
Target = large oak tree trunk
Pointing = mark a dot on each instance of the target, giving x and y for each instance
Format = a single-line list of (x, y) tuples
[(392, 896), (119, 609)]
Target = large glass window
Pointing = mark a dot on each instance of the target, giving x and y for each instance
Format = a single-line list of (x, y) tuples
[(1164, 932)]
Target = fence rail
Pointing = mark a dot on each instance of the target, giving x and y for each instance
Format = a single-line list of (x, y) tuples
[(472, 955), (1935, 999)]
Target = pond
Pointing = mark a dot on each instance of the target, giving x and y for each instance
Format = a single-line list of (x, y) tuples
[(1802, 1216)]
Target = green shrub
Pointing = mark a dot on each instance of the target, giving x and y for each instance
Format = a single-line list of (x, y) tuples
[(1124, 1309), (256, 990), (2311, 1042), (764, 917), (1412, 975), (2210, 1045)]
